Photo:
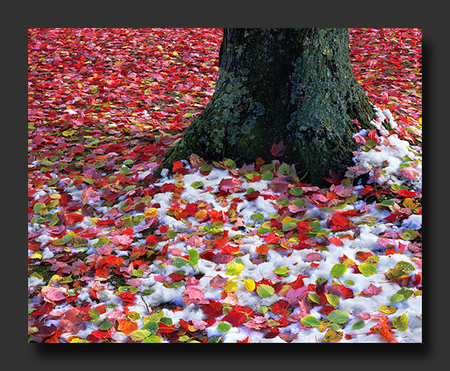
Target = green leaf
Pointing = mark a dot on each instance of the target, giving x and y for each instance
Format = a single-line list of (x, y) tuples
[(54, 220), (387, 203), (171, 234), (367, 269), (152, 339), (296, 191), (395, 187), (396, 298), (206, 167), (79, 241), (309, 321), (332, 299), (300, 202), (265, 291), (151, 327), (223, 327), (409, 235), (349, 283), (395, 274), (282, 271), (338, 316), (214, 339), (358, 325), (40, 208), (283, 201), (405, 267), (124, 170), (371, 144), (193, 257), (289, 226), (178, 261), (184, 338), (257, 216), (400, 323), (262, 309), (197, 184), (314, 298), (106, 325), (230, 163), (338, 270), (167, 321), (402, 294), (267, 175), (284, 169), (148, 292)]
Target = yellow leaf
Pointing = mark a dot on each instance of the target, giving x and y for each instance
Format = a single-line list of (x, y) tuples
[(140, 335), (249, 284), (151, 212), (348, 262), (401, 322), (287, 219), (388, 309), (370, 218), (201, 214), (234, 267), (231, 286), (36, 255), (409, 203), (332, 336), (283, 291)]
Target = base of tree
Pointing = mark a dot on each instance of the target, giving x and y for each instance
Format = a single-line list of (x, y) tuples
[(303, 93)]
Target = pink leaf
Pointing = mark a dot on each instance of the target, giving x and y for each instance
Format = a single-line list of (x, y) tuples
[(293, 295), (194, 241), (313, 256), (218, 282), (295, 209), (53, 294), (360, 139), (199, 324), (278, 150), (409, 173), (371, 290)]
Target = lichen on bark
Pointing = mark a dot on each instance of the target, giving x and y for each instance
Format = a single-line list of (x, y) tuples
[(294, 85)]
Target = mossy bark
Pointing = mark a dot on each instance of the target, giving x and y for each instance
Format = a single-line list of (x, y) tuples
[(294, 85)]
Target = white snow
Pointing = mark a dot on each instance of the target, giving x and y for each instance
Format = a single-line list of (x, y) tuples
[(389, 157)]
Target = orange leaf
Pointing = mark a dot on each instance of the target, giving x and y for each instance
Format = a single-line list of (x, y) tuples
[(127, 326), (262, 249)]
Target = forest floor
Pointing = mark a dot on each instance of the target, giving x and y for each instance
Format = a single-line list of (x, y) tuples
[(213, 253)]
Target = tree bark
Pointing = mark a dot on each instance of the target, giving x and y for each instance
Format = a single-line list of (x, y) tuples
[(294, 85)]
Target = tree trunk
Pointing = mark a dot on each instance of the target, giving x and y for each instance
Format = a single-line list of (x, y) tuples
[(294, 85)]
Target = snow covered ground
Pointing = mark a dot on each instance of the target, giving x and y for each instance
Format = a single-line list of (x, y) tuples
[(364, 300)]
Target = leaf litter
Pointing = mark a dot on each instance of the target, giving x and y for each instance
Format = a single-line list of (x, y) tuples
[(212, 253)]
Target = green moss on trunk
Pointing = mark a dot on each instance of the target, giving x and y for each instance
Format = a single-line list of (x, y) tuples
[(294, 85)]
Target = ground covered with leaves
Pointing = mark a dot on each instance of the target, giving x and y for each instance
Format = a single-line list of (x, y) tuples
[(212, 253)]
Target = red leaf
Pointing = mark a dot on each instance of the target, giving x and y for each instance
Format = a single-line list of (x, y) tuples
[(288, 336), (273, 332), (346, 292), (335, 241), (339, 222), (280, 307), (278, 150), (212, 309), (235, 318)]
